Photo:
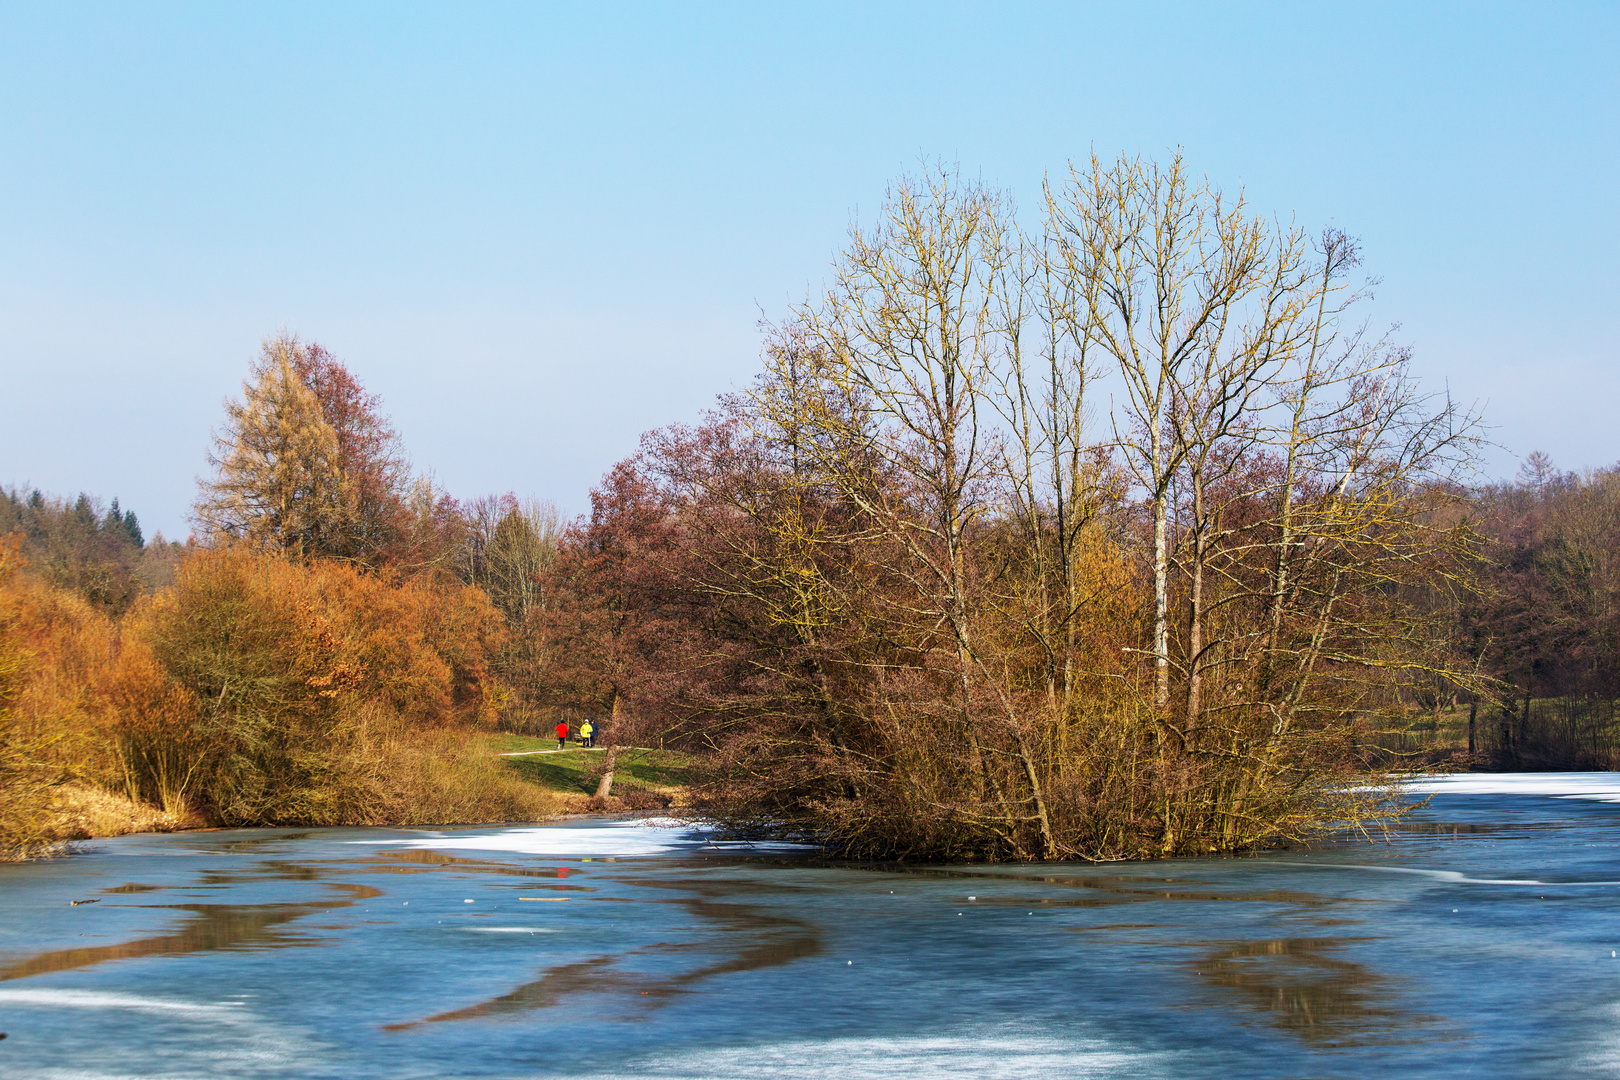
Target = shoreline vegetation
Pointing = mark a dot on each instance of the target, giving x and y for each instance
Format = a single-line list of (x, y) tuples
[(1101, 531)]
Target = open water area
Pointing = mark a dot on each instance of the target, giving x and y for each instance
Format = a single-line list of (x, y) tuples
[(1482, 940)]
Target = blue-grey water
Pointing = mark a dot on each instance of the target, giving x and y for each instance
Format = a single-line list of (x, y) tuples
[(1481, 940)]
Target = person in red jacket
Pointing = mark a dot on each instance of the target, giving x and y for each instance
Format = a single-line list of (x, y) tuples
[(562, 734)]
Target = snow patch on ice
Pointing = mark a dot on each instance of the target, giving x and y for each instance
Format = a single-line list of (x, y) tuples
[(198, 1039), (1455, 877), (616, 839), (992, 1056), (1595, 786), (95, 999)]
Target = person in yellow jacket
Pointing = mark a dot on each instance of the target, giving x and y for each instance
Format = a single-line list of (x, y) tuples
[(586, 732)]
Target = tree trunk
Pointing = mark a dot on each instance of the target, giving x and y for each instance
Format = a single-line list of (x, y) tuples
[(605, 787), (1195, 614), (1473, 714), (1161, 605)]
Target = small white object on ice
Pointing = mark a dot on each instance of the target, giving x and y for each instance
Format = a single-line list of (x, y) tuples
[(1454, 911), (973, 898), (851, 963), (466, 901)]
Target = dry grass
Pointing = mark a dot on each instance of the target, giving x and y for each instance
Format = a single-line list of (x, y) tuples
[(80, 811), (447, 777)]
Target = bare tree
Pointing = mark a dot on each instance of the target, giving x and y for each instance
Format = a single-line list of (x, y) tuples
[(1165, 267), (910, 342)]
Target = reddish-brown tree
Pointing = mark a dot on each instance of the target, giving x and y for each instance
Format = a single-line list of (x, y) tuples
[(611, 640), (376, 476)]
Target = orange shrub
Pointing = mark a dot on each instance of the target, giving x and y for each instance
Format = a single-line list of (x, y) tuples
[(276, 670), (64, 647)]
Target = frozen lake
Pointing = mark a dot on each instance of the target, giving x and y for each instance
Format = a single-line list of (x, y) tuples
[(1482, 942)]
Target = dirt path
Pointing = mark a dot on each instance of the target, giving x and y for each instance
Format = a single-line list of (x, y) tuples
[(570, 750)]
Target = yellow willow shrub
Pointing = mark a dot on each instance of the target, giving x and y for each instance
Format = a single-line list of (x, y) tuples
[(289, 666)]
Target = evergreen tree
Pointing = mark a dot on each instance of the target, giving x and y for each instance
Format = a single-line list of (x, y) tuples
[(132, 529)]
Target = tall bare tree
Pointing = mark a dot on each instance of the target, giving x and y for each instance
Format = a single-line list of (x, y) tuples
[(1166, 268)]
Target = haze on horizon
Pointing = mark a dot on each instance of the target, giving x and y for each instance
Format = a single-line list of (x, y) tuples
[(538, 233)]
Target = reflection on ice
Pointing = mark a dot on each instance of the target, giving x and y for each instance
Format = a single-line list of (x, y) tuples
[(210, 927), (1304, 985), (1283, 965), (749, 939)]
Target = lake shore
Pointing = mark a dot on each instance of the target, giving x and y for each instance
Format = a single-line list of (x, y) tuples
[(646, 779)]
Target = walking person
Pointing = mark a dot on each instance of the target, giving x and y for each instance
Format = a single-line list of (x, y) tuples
[(585, 733), (562, 734)]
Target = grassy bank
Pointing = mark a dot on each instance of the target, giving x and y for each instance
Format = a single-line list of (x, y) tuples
[(643, 778)]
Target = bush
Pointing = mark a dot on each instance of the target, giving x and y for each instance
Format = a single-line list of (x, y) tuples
[(273, 692), (48, 657)]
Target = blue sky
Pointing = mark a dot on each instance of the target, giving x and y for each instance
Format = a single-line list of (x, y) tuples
[(538, 231)]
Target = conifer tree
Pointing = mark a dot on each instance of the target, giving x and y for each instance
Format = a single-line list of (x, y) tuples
[(122, 525)]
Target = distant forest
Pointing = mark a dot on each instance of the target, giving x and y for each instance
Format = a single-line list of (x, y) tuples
[(1114, 538)]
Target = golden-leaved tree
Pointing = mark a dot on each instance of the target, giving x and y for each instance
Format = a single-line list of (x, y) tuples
[(278, 479)]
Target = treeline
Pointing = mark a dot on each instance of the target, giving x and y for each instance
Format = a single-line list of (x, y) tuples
[(96, 552), (1545, 622), (1107, 534)]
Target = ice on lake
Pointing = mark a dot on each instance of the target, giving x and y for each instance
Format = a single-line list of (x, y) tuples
[(1482, 939)]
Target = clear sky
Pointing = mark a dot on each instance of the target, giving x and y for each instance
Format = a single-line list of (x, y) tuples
[(537, 231)]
